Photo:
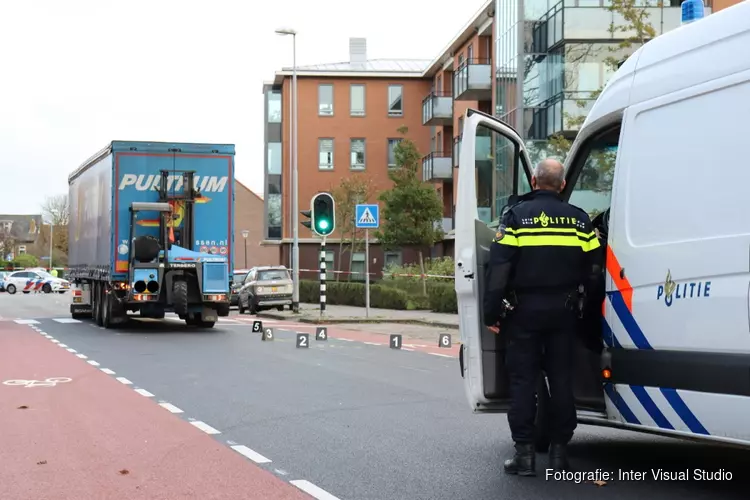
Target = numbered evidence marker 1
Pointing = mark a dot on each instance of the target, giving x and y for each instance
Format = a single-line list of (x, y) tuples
[(257, 326), (267, 334), (303, 340), (321, 333), (395, 341), (444, 340)]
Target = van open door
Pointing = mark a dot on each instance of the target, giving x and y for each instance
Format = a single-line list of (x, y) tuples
[(486, 143)]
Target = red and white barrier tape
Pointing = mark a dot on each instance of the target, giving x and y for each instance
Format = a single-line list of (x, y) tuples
[(381, 273)]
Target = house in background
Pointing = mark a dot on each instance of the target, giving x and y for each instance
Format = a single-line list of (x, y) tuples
[(249, 215), (20, 233)]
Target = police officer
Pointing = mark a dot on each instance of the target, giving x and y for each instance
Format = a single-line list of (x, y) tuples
[(540, 260)]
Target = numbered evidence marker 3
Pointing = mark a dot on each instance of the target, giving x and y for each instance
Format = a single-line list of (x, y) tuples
[(303, 340), (444, 340), (257, 326), (267, 334), (321, 333), (395, 341)]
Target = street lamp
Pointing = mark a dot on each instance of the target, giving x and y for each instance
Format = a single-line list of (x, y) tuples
[(245, 234), (293, 149)]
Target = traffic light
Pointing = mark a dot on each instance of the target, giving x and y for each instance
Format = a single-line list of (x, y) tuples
[(308, 214), (323, 214)]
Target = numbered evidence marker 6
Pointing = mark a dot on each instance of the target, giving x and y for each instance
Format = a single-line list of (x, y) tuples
[(395, 341), (257, 326), (444, 340), (267, 334), (303, 340), (321, 333)]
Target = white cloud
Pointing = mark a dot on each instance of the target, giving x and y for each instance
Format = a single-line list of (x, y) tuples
[(80, 73)]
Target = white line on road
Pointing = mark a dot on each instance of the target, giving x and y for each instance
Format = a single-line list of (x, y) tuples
[(63, 345), (71, 350), (345, 340), (406, 349), (93, 363), (107, 371), (82, 356), (314, 491), (441, 355), (55, 341), (144, 392), (123, 380), (252, 455), (373, 343), (205, 427), (26, 321), (170, 407), (66, 320)]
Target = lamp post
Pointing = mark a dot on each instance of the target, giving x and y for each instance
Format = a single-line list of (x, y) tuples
[(295, 186), (245, 234)]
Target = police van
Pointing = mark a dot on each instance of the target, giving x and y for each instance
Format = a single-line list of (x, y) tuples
[(660, 164)]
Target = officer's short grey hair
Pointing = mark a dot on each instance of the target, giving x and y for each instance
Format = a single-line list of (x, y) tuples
[(549, 174)]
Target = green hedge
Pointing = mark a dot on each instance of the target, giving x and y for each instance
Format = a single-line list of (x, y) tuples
[(442, 297)]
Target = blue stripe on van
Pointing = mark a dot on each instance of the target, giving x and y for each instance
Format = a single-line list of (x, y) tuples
[(620, 404), (649, 405), (683, 411)]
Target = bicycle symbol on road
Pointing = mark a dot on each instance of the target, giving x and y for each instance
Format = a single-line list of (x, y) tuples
[(50, 382)]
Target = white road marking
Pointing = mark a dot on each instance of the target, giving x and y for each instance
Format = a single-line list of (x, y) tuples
[(373, 343), (123, 380), (71, 350), (346, 340), (312, 490), (55, 341), (144, 392), (93, 363), (26, 321), (82, 356), (205, 427), (170, 407), (252, 455), (66, 320), (441, 355), (63, 345), (107, 371), (406, 349)]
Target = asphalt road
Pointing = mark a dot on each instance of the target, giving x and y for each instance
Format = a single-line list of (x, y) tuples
[(362, 421)]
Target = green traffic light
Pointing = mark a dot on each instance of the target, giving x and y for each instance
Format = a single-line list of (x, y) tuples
[(323, 225)]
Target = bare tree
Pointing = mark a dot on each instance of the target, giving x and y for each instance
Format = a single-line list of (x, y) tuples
[(55, 209)]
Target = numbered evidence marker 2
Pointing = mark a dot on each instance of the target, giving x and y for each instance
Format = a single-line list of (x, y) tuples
[(321, 333), (444, 340), (303, 340), (257, 326), (395, 341), (267, 334)]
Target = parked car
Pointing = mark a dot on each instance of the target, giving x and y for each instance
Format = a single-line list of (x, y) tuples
[(27, 281), (238, 277), (265, 287)]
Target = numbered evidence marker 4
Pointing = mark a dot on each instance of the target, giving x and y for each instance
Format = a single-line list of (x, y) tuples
[(395, 341), (444, 340), (267, 334), (303, 340), (257, 326), (321, 333)]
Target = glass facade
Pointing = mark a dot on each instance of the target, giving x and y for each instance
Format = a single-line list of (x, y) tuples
[(273, 165)]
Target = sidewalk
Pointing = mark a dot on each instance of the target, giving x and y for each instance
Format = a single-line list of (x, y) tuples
[(310, 313), (81, 434)]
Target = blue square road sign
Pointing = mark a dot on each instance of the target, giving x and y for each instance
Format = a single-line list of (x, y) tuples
[(367, 216)]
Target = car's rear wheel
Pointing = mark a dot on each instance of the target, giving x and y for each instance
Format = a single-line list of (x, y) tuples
[(11, 289)]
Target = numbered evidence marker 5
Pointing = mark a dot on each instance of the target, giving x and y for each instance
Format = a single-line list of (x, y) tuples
[(444, 340), (267, 334), (321, 333), (395, 341), (257, 326), (303, 340)]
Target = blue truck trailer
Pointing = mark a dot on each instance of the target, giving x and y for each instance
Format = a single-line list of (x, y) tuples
[(152, 230)]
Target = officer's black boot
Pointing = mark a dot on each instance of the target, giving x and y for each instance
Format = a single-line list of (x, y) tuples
[(558, 457), (524, 461)]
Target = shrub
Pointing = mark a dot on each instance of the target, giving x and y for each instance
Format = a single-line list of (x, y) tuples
[(345, 293), (442, 297), (441, 266)]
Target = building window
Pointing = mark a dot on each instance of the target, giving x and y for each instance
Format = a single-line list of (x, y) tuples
[(357, 100), (325, 100), (392, 152), (273, 205), (395, 100), (470, 52), (325, 153), (392, 259), (274, 158), (274, 107), (358, 266), (357, 149), (7, 225), (22, 249)]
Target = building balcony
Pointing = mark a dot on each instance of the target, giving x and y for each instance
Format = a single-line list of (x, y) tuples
[(437, 109), (483, 149), (472, 81), (437, 166), (446, 224)]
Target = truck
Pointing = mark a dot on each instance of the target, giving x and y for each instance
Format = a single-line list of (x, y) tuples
[(151, 231)]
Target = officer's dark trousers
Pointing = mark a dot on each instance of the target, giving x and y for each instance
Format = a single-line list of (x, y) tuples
[(541, 338)]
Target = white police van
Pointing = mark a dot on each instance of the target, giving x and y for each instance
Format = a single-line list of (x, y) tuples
[(663, 149)]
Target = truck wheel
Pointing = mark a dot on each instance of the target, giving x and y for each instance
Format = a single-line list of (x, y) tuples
[(180, 297), (106, 309), (47, 288), (98, 308), (11, 289)]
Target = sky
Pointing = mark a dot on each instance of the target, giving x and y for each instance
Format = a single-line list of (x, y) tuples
[(76, 74)]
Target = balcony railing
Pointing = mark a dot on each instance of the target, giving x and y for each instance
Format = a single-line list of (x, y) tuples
[(437, 109), (472, 81), (437, 166), (482, 151), (446, 224)]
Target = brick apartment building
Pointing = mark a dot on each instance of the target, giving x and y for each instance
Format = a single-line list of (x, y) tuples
[(349, 112)]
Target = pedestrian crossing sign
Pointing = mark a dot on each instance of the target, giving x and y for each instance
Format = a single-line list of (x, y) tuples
[(367, 216)]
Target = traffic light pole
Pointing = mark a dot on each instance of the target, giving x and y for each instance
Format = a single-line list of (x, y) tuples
[(323, 276)]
